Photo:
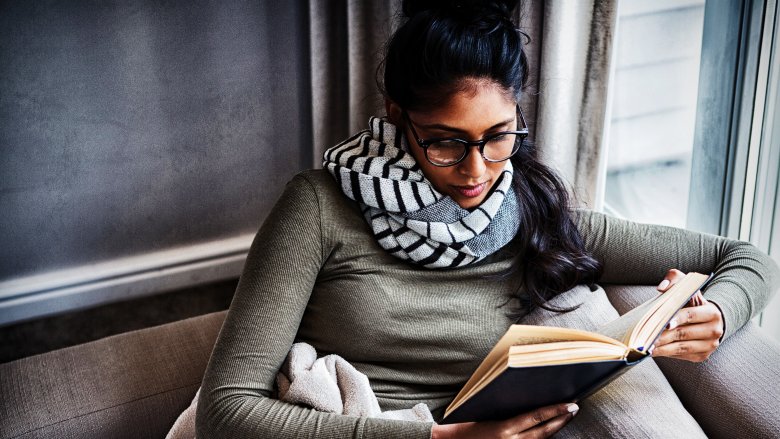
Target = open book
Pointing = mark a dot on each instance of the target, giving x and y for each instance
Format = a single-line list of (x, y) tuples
[(534, 366)]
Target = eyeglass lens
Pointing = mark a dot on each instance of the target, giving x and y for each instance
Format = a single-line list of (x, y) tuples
[(498, 148)]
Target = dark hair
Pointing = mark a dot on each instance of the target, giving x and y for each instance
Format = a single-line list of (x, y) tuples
[(444, 43), (437, 52)]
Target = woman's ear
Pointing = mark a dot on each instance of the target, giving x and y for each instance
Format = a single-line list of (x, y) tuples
[(393, 112)]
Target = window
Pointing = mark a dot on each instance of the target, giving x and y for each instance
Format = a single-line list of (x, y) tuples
[(695, 123), (654, 91)]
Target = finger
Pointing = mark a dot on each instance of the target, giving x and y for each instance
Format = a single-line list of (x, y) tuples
[(550, 427), (696, 331), (697, 300), (672, 277), (529, 420), (698, 314), (693, 350)]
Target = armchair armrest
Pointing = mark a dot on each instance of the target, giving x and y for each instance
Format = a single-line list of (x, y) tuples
[(732, 394), (128, 385)]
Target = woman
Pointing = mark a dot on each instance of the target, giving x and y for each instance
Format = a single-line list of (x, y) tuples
[(415, 249)]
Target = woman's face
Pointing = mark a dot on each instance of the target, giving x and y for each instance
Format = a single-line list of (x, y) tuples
[(468, 115)]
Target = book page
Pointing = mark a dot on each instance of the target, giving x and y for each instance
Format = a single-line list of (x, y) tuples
[(655, 320), (641, 326), (564, 352), (620, 328), (498, 358), (531, 334)]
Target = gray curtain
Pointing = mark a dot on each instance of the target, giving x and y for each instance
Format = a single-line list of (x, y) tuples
[(577, 41), (529, 19), (347, 39), (142, 143)]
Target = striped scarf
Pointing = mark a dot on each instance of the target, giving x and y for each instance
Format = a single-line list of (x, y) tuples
[(410, 219)]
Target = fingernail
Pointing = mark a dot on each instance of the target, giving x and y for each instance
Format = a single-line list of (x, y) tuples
[(672, 324), (573, 408), (664, 283)]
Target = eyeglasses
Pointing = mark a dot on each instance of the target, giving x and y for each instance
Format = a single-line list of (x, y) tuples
[(495, 147)]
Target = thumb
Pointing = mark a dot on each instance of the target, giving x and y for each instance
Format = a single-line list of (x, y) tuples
[(672, 277)]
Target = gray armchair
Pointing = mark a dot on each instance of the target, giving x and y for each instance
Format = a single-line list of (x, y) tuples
[(134, 385)]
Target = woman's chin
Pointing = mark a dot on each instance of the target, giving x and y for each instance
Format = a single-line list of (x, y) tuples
[(468, 203)]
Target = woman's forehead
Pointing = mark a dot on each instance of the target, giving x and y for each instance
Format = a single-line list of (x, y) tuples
[(474, 109)]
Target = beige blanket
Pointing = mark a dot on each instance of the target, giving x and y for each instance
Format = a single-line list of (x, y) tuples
[(328, 384)]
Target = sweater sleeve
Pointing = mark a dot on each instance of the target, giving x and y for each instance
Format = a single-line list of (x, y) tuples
[(632, 253), (280, 272)]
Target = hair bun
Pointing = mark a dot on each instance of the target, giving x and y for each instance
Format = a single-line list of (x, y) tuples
[(470, 8)]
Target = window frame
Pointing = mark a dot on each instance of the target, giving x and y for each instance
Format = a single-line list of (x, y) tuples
[(731, 46), (736, 154)]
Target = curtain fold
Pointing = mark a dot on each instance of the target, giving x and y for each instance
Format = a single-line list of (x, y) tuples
[(529, 19), (347, 43), (576, 60)]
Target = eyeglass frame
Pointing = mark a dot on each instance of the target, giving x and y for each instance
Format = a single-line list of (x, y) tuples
[(425, 144)]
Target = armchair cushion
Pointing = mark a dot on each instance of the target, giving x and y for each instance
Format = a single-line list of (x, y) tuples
[(734, 393)]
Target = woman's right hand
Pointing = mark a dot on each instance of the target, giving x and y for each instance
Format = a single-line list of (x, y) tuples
[(540, 423)]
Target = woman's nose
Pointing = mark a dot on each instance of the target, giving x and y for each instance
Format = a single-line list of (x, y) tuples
[(473, 165)]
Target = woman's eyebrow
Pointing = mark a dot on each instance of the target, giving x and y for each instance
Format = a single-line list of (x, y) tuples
[(443, 127)]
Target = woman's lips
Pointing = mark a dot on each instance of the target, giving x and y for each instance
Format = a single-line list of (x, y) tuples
[(471, 191)]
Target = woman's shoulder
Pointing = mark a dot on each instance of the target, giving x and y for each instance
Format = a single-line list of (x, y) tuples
[(318, 182), (317, 178), (322, 192)]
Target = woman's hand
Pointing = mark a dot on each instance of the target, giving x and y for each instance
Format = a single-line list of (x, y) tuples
[(695, 331), (540, 423)]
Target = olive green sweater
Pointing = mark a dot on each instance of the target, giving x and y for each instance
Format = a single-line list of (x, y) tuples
[(315, 274)]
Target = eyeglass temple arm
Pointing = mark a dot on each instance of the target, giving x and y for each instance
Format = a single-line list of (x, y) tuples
[(522, 119)]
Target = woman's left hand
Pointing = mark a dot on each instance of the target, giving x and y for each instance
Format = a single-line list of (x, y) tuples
[(695, 331)]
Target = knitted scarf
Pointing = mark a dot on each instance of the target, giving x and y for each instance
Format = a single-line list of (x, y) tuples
[(410, 219)]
